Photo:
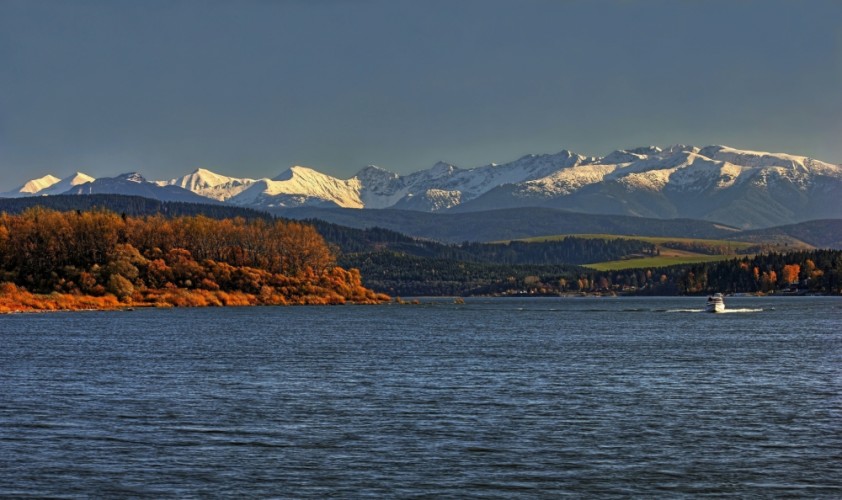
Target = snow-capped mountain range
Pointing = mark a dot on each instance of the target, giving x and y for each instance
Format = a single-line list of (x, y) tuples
[(717, 183)]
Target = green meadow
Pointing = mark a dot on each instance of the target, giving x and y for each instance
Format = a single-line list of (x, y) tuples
[(671, 251)]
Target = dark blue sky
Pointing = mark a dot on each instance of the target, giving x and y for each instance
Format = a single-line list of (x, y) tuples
[(249, 88)]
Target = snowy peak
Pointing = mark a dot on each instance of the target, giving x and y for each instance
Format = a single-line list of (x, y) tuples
[(67, 183), (210, 184), (203, 179), (439, 173), (301, 173), (678, 148), (131, 177), (299, 186), (621, 156), (378, 187), (48, 185), (36, 185), (758, 159), (78, 178), (646, 150), (442, 169), (375, 177), (375, 172)]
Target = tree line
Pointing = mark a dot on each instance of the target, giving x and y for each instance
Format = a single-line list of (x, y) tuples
[(809, 271), (568, 250), (136, 206), (816, 271), (401, 274)]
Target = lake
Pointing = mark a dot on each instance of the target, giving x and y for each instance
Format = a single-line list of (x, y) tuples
[(497, 398)]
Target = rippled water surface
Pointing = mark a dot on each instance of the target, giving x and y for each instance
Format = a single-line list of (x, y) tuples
[(496, 398)]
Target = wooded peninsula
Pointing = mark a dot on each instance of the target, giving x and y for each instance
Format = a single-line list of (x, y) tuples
[(97, 259)]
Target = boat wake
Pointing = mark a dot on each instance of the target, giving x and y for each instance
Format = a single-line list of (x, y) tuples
[(726, 311), (744, 310)]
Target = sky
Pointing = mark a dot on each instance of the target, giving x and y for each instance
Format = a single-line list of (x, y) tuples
[(252, 87)]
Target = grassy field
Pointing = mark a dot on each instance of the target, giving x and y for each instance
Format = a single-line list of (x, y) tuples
[(688, 251), (655, 240), (667, 256), (659, 261)]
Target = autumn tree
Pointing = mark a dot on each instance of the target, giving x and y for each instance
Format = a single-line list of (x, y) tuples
[(790, 272), (99, 252)]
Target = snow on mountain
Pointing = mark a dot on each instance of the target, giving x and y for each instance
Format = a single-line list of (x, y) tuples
[(209, 184), (301, 186), (445, 186), (755, 159), (634, 166), (379, 188), (479, 180), (682, 168), (431, 200), (48, 185), (437, 188), (621, 156), (32, 187), (738, 187), (134, 184), (36, 185), (714, 183), (67, 183)]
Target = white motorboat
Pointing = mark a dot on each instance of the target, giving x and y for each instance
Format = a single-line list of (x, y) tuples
[(716, 303)]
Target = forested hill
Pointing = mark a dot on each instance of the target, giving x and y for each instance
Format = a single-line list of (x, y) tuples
[(826, 233), (508, 224), (134, 206), (354, 245)]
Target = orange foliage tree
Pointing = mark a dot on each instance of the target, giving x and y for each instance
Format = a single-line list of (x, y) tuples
[(790, 273), (149, 259)]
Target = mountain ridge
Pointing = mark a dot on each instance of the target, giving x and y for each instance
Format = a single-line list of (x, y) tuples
[(743, 188)]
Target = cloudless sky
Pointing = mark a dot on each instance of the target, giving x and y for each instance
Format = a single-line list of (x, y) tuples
[(252, 87)]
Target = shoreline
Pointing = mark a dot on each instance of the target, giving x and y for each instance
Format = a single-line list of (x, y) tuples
[(54, 302), (23, 302)]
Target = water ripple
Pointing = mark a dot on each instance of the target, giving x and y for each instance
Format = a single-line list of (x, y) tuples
[(499, 399)]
